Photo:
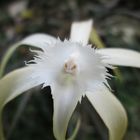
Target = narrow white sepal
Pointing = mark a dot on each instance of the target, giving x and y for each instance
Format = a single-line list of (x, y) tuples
[(17, 82), (80, 31), (36, 40), (14, 84), (65, 101), (110, 110), (121, 57)]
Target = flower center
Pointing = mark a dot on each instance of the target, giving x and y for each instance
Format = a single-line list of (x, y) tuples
[(70, 66)]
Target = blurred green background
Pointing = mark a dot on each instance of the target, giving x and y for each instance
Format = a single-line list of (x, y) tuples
[(117, 22)]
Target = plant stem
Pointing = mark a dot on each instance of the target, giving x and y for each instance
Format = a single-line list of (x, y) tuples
[(1, 128), (73, 136)]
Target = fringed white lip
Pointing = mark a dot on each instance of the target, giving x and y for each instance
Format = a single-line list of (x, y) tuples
[(72, 69), (65, 60)]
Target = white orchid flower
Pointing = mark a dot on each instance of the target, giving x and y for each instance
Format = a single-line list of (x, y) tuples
[(73, 69)]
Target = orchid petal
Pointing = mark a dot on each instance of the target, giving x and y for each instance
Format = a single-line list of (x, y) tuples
[(65, 101), (110, 110), (80, 31), (17, 82), (121, 57), (36, 40)]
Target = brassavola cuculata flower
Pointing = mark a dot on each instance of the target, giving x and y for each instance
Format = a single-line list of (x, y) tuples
[(73, 69)]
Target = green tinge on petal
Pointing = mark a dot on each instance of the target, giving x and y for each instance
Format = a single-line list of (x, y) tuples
[(80, 31), (111, 111), (15, 83), (36, 40), (121, 57), (6, 57)]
